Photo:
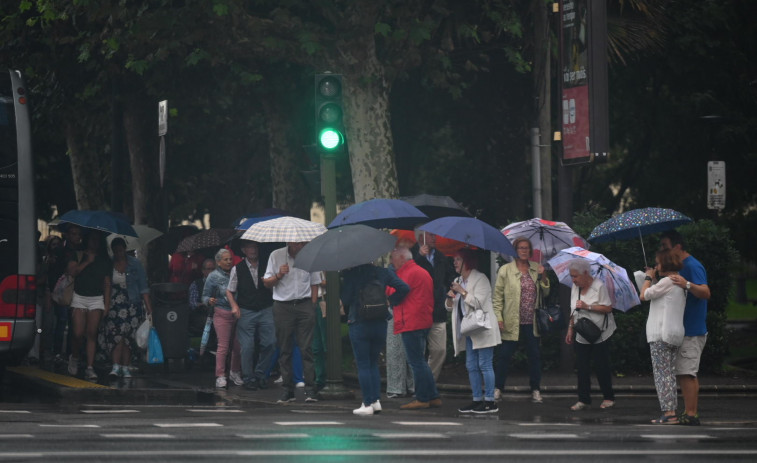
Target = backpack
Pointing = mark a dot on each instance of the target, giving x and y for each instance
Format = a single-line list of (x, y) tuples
[(373, 303)]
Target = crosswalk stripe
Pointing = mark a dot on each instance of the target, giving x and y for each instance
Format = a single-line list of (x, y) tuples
[(543, 436), (291, 435), (188, 425), (103, 412), (15, 411), (215, 410), (427, 423), (411, 435), (15, 436), (676, 436), (70, 425), (308, 423), (138, 436)]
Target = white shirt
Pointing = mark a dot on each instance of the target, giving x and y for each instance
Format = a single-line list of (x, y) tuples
[(233, 280), (596, 294), (665, 320), (295, 284)]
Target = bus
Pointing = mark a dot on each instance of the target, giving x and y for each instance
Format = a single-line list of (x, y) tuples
[(18, 226)]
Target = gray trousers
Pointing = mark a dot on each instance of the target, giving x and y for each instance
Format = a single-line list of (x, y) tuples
[(295, 320)]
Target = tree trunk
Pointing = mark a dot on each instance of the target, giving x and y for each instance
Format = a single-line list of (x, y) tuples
[(86, 168), (143, 159)]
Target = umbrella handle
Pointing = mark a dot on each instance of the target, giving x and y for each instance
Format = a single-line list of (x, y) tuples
[(643, 252)]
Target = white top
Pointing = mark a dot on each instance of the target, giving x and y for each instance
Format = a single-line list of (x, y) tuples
[(294, 285), (234, 280), (596, 294), (665, 320)]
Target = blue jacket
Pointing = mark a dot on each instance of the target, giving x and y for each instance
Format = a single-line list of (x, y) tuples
[(355, 278), (136, 280), (215, 286)]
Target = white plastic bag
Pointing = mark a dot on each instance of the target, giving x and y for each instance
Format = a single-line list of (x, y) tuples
[(143, 332)]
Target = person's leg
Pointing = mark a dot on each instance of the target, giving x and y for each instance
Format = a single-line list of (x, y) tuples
[(437, 348), (686, 368), (266, 336), (246, 339), (485, 358), (284, 323), (361, 350), (377, 340), (662, 355), (304, 332), (61, 321), (79, 324), (236, 357), (583, 369), (415, 343), (603, 369), (93, 324), (503, 354), (396, 365), (319, 348), (222, 323), (474, 373), (297, 375), (533, 354)]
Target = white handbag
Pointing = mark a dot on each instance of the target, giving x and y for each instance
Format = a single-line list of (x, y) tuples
[(473, 322)]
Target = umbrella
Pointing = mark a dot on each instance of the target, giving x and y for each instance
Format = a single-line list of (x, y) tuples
[(284, 230), (145, 234), (380, 213), (210, 238), (637, 222), (615, 278), (437, 206), (470, 231), (547, 237), (344, 247), (99, 220), (246, 223), (206, 334)]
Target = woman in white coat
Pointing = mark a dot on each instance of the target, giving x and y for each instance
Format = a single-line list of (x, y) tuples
[(472, 291)]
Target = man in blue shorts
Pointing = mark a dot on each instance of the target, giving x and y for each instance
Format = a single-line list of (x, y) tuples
[(692, 278)]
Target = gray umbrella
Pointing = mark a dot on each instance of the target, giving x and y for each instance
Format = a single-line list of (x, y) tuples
[(344, 247)]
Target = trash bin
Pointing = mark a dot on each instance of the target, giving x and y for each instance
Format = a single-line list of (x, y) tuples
[(170, 316)]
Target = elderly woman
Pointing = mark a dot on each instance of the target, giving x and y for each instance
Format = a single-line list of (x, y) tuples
[(472, 291), (516, 294), (589, 299), (129, 294), (664, 329), (224, 319)]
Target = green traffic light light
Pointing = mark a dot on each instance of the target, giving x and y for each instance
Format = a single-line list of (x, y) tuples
[(330, 139)]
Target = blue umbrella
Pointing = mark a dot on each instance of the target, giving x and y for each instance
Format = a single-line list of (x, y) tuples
[(471, 231), (106, 221), (637, 222), (381, 213)]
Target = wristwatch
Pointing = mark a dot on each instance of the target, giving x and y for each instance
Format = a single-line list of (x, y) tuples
[(688, 285), (648, 278)]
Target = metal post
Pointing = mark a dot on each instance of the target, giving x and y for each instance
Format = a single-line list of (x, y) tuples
[(536, 170)]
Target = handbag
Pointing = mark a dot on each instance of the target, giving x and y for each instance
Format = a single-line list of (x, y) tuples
[(63, 291), (154, 349), (588, 329), (473, 322), (549, 318)]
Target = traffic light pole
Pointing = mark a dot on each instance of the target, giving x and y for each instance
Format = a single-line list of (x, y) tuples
[(334, 385)]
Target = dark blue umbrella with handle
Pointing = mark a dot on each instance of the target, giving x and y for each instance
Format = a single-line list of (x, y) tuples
[(471, 231), (381, 213), (106, 221)]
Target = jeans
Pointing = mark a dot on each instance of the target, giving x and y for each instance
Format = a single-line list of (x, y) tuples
[(601, 354), (478, 362), (368, 339), (503, 354), (415, 344), (295, 321), (256, 326)]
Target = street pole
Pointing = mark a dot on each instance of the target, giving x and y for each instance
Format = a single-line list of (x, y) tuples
[(334, 384), (536, 171)]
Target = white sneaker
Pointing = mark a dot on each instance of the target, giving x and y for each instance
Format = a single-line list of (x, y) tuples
[(115, 371), (236, 378), (279, 380), (90, 374), (536, 397), (363, 410), (126, 371), (300, 384), (221, 382), (73, 365), (497, 394), (376, 406)]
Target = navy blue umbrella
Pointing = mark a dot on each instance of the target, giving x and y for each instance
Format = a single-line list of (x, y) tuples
[(471, 231), (437, 206), (381, 213), (106, 221)]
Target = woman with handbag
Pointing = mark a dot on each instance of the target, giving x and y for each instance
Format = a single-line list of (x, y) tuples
[(471, 296), (519, 286), (665, 329), (129, 291), (591, 305)]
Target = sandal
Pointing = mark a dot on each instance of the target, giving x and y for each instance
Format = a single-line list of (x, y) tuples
[(666, 419), (578, 406), (607, 404)]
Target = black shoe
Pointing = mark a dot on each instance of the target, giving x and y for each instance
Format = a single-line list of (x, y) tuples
[(486, 407), (470, 407), (286, 396), (262, 383), (688, 420), (311, 395), (251, 385)]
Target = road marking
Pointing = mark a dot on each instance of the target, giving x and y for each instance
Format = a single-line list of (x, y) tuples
[(15, 436), (51, 377), (70, 425), (547, 424), (544, 436), (15, 411), (283, 435), (427, 423), (188, 425), (308, 423), (411, 435), (109, 411), (677, 436), (138, 436), (215, 410)]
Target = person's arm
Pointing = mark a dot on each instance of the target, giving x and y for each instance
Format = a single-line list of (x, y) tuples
[(148, 302), (207, 291), (543, 280), (700, 291), (401, 289), (106, 293), (647, 291), (498, 298)]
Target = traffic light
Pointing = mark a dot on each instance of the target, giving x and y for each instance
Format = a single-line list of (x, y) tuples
[(329, 121)]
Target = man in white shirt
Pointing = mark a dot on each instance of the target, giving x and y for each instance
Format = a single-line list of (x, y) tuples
[(295, 298)]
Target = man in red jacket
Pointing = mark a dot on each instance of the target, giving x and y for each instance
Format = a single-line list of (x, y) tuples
[(413, 319)]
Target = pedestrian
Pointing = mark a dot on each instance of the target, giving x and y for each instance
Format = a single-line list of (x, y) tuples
[(440, 268), (224, 320), (692, 277), (367, 335), (249, 298), (664, 329), (295, 300), (589, 299), (413, 318), (471, 291), (129, 299), (519, 286), (91, 301)]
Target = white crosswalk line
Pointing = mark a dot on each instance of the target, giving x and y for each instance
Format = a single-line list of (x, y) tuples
[(138, 436), (544, 436), (70, 425), (188, 425), (427, 423), (308, 423), (411, 435), (283, 435), (676, 436), (215, 410), (15, 411), (16, 436), (104, 412)]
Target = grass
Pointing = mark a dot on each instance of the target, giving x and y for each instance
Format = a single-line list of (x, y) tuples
[(747, 311)]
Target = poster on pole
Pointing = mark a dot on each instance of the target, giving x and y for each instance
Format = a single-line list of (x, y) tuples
[(716, 185)]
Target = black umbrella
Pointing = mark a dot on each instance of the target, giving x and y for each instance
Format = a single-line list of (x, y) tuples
[(211, 238), (437, 206)]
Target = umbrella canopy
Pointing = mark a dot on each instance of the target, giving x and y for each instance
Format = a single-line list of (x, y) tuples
[(614, 277), (547, 237), (437, 206), (244, 224), (344, 247), (380, 213), (470, 231), (284, 230), (210, 238), (145, 234), (106, 221)]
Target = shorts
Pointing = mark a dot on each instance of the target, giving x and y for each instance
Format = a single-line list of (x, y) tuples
[(87, 302), (689, 354)]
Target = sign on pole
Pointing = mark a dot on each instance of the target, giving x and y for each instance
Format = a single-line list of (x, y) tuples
[(163, 118), (716, 184)]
